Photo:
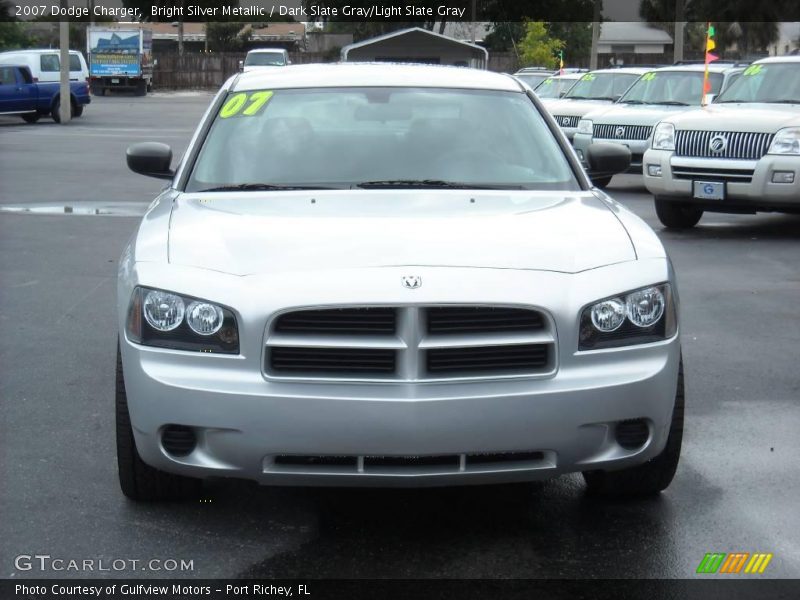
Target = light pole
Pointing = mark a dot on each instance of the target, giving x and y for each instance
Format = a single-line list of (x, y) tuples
[(65, 108)]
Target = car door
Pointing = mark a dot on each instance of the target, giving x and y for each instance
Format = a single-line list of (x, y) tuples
[(15, 95)]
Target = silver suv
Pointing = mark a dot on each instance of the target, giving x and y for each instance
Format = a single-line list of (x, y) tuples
[(658, 94), (741, 154)]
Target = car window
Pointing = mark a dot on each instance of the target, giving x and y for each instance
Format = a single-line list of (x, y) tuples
[(533, 79), (342, 137), (50, 63), (775, 82), (7, 76), (601, 85), (553, 87), (659, 87)]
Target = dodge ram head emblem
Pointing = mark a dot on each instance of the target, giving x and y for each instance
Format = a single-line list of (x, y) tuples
[(619, 132), (412, 282), (718, 144)]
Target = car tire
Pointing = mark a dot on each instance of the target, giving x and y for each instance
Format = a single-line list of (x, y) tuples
[(77, 111), (653, 476), (677, 215), (138, 480), (31, 118), (141, 89), (601, 182)]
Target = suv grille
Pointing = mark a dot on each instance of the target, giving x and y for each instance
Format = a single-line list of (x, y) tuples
[(567, 120), (410, 343), (730, 144), (621, 132)]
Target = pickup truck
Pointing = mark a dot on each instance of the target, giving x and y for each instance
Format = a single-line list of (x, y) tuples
[(19, 95)]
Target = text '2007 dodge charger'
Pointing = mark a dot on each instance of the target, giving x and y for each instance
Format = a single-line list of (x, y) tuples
[(379, 275)]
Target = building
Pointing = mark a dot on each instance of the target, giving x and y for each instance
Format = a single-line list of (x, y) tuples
[(289, 35), (630, 42), (419, 46)]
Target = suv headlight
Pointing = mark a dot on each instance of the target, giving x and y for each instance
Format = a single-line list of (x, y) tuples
[(585, 126), (168, 320), (664, 137), (640, 316), (787, 141)]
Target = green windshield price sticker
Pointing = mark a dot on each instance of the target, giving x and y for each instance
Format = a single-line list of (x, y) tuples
[(547, 82), (648, 76), (753, 70), (588, 77), (244, 105)]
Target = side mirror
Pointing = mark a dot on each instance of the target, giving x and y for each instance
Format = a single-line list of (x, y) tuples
[(241, 65), (606, 159), (150, 158)]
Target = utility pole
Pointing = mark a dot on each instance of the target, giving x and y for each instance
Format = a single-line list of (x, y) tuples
[(474, 17), (680, 24), (180, 28), (65, 110), (595, 35)]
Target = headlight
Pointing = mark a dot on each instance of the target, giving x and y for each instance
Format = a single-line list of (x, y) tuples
[(664, 137), (168, 320), (585, 126), (787, 141), (640, 316)]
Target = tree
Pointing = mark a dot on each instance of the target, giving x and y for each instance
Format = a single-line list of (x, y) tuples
[(13, 35), (537, 48), (577, 38), (227, 37)]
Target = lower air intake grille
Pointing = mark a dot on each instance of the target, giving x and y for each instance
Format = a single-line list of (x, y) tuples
[(487, 359), (178, 440), (348, 361)]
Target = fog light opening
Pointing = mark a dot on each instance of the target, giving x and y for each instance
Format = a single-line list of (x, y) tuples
[(783, 177), (178, 440), (654, 170), (632, 434)]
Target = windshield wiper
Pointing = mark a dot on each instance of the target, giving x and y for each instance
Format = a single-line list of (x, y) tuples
[(433, 183), (671, 103), (632, 102), (251, 187), (780, 101)]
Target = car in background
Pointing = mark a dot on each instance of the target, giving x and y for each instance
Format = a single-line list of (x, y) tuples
[(533, 76), (259, 58), (555, 86), (45, 64), (391, 275), (741, 154), (19, 95), (593, 90), (656, 95)]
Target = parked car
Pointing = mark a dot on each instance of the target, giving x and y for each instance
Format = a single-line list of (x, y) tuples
[(264, 57), (656, 95), (555, 86), (741, 154), (45, 64), (19, 95), (592, 91), (533, 76), (391, 275)]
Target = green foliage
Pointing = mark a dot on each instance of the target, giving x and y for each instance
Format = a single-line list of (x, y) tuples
[(538, 48), (577, 38), (505, 36), (13, 35), (227, 36)]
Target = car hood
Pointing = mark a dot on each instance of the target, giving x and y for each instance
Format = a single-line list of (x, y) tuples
[(635, 114), (567, 107), (745, 117), (255, 232)]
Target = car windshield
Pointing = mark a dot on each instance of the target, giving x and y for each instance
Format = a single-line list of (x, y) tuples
[(265, 59), (379, 137), (605, 86), (671, 87), (533, 79), (771, 82), (553, 87)]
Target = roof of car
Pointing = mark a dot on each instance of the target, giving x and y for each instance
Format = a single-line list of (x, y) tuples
[(373, 75), (568, 76), (38, 51), (266, 50), (780, 59), (713, 67), (625, 70)]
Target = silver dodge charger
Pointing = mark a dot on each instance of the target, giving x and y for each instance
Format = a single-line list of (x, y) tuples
[(374, 275)]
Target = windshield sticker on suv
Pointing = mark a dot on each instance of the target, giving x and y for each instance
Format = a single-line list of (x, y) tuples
[(244, 105), (648, 76), (752, 70), (547, 82), (588, 77)]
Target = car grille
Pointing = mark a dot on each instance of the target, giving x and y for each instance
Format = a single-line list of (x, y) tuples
[(705, 173), (621, 132), (737, 145), (410, 343), (567, 120)]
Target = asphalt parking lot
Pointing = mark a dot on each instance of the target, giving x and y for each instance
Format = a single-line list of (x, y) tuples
[(737, 487)]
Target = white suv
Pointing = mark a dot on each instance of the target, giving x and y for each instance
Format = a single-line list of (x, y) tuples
[(741, 154)]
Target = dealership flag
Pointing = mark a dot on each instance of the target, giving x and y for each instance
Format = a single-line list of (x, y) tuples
[(710, 45)]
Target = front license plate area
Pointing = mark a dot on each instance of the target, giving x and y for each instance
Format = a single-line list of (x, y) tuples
[(709, 190)]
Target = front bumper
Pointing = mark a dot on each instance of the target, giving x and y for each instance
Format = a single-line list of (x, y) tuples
[(755, 191), (244, 420)]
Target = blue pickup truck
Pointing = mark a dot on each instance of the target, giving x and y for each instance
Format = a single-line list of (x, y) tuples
[(19, 95)]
